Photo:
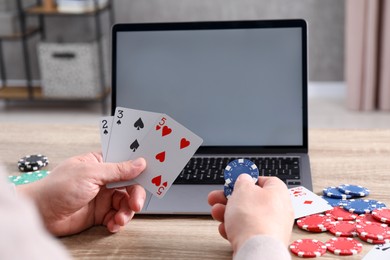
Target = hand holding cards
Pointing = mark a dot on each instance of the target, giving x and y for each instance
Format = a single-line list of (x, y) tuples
[(166, 145)]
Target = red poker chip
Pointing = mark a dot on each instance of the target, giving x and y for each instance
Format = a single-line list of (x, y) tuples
[(382, 215), (374, 241), (366, 218), (376, 231), (314, 223), (338, 213), (308, 248), (343, 229), (344, 246)]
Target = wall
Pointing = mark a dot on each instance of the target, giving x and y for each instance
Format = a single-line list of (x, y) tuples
[(325, 19)]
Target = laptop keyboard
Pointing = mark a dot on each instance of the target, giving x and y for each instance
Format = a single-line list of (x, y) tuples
[(210, 170)]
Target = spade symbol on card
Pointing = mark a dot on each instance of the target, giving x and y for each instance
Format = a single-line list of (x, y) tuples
[(105, 131), (118, 122), (134, 146), (139, 124), (157, 180)]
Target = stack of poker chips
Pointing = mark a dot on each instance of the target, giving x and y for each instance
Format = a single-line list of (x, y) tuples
[(234, 169), (350, 218), (32, 162)]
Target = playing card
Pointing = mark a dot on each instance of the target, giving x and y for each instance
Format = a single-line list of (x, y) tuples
[(129, 127), (167, 148), (306, 202), (105, 125), (378, 252)]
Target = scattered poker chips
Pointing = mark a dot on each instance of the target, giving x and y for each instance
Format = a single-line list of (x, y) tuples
[(28, 177), (314, 223), (360, 206), (334, 202), (374, 241), (343, 228), (334, 192), (375, 231), (32, 162), (366, 218), (344, 246), (234, 169), (351, 216), (339, 213), (354, 190), (382, 215), (308, 248)]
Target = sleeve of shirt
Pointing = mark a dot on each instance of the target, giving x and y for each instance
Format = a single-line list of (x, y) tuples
[(23, 235), (262, 247)]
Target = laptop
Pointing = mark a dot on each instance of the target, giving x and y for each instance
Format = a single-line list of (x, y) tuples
[(240, 85)]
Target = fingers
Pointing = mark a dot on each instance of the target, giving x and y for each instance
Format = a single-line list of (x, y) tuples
[(218, 212), (137, 196), (123, 171), (216, 196), (271, 182), (222, 230)]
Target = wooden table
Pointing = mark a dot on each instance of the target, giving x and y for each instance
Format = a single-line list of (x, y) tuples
[(337, 156)]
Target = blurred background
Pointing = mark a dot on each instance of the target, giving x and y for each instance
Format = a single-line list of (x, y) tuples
[(348, 54)]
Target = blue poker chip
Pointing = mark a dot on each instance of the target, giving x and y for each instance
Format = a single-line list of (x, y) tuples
[(334, 202), (227, 190), (334, 192), (360, 206), (354, 190), (378, 204), (240, 166)]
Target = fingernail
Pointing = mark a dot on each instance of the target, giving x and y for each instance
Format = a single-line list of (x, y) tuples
[(141, 204), (115, 228), (139, 162), (244, 176)]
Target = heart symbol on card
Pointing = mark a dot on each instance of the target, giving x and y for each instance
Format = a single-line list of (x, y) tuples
[(161, 156), (157, 180), (166, 131), (165, 184), (158, 127), (184, 143)]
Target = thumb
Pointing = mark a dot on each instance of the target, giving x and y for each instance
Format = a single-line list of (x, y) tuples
[(122, 171), (243, 181)]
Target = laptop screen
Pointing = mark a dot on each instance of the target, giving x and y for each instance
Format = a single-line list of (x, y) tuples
[(238, 84)]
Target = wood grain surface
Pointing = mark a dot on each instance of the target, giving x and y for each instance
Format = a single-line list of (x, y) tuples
[(337, 156)]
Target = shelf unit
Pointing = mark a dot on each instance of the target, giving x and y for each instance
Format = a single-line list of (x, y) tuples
[(29, 92)]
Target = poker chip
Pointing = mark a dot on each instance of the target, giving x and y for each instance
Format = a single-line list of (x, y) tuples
[(366, 218), (374, 241), (314, 223), (334, 192), (227, 190), (339, 213), (382, 215), (354, 190), (28, 177), (334, 202), (344, 246), (32, 162), (308, 248), (240, 166), (360, 206), (343, 228), (375, 231)]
